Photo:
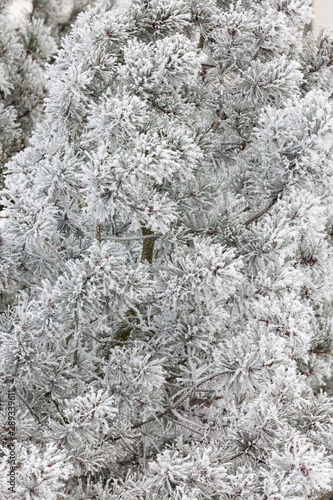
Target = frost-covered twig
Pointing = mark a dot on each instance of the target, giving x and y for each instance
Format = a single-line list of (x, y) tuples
[(181, 424), (171, 407), (29, 407), (130, 238)]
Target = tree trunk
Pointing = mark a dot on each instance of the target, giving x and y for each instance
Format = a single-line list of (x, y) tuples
[(148, 246)]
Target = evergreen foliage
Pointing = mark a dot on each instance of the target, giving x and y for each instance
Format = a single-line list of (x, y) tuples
[(25, 48), (170, 250), (23, 54)]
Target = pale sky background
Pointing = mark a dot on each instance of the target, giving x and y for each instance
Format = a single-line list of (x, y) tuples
[(323, 12), (18, 6)]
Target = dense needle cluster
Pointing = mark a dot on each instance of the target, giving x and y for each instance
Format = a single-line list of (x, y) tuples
[(26, 45), (168, 260)]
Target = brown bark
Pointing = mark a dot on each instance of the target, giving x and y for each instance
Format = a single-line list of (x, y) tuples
[(147, 246)]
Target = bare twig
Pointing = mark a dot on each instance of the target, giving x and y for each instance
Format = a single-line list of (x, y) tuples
[(201, 41), (260, 213), (181, 424)]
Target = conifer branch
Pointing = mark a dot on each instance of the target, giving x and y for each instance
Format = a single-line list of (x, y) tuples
[(171, 407), (148, 238)]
